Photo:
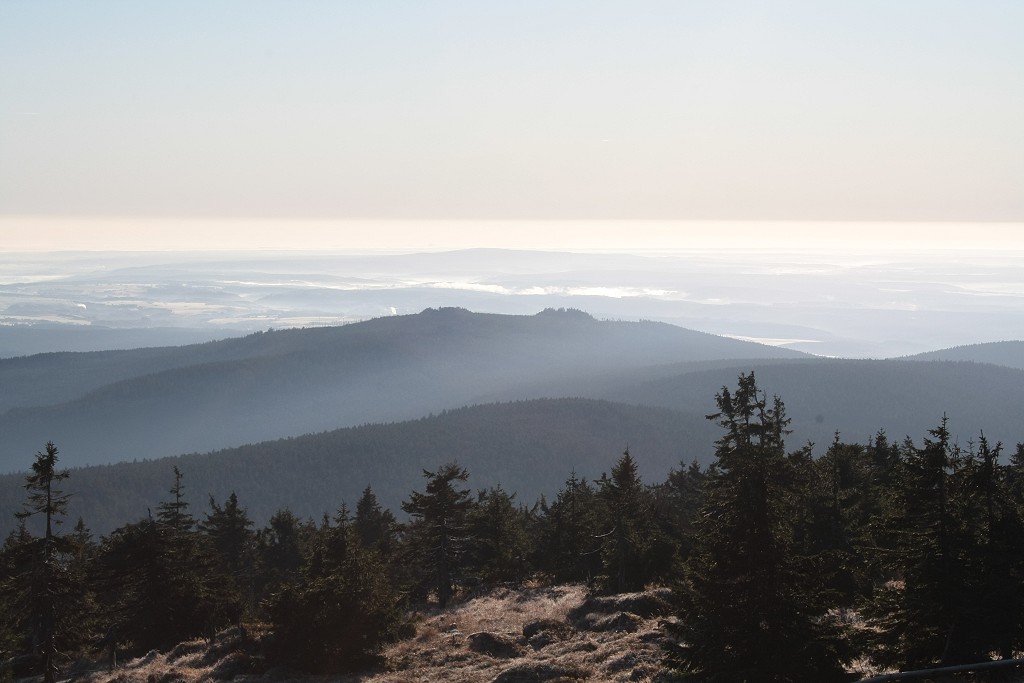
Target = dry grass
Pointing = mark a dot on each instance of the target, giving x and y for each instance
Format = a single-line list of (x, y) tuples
[(444, 650), (557, 634), (570, 638)]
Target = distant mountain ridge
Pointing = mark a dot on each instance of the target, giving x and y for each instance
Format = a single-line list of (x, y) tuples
[(856, 398), (530, 447), (1008, 353), (597, 386), (122, 405)]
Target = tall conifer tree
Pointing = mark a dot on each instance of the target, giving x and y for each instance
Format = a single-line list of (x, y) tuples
[(568, 548), (747, 608), (48, 580), (629, 530), (439, 525)]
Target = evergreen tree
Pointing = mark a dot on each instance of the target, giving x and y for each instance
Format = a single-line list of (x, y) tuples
[(159, 579), (843, 500), (228, 531), (568, 548), (83, 612), (748, 608), (16, 563), (343, 609), (953, 535), (375, 526), (47, 585), (676, 506), (997, 613), (629, 533), (438, 529), (280, 548), (914, 616), (500, 544), (174, 514)]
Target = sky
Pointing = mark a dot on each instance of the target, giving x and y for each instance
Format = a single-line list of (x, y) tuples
[(200, 124)]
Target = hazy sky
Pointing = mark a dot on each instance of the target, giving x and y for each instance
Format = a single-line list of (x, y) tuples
[(889, 110)]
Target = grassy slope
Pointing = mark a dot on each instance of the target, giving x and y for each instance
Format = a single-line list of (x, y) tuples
[(481, 639), (526, 635)]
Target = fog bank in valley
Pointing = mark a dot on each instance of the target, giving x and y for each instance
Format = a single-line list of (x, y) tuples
[(865, 304)]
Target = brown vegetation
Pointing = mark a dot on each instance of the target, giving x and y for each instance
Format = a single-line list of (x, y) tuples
[(546, 635)]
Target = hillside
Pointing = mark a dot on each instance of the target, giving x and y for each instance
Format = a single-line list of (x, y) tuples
[(526, 635), (528, 447), (546, 634), (531, 446), (856, 397), (125, 405), (1007, 353)]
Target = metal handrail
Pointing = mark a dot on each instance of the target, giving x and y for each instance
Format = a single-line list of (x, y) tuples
[(941, 671)]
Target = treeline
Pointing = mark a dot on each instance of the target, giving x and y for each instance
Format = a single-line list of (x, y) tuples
[(784, 567), (527, 446)]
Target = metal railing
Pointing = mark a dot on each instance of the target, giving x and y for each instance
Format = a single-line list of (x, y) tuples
[(1002, 670)]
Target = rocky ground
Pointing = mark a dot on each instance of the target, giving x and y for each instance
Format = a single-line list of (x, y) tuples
[(536, 635)]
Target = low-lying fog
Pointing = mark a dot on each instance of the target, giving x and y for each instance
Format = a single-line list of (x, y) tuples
[(850, 304)]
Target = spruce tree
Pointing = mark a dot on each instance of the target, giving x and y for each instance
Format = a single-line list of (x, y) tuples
[(160, 581), (280, 549), (500, 543), (676, 506), (952, 544), (438, 529), (342, 610), (174, 514), (48, 581), (229, 534), (375, 526), (568, 549), (628, 530), (914, 617), (16, 564), (997, 613), (748, 610)]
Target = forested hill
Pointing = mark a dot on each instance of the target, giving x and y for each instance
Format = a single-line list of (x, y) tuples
[(1007, 353), (855, 397), (124, 405), (529, 447)]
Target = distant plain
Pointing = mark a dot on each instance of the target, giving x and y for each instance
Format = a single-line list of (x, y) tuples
[(838, 303)]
